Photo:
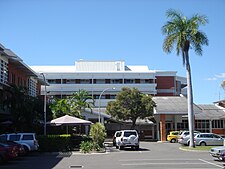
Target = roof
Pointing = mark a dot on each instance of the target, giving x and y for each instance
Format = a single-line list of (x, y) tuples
[(210, 111), (173, 105)]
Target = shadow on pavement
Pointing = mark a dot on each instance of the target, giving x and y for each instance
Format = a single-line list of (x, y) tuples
[(35, 160)]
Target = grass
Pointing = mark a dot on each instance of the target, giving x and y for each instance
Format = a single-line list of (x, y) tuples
[(197, 148)]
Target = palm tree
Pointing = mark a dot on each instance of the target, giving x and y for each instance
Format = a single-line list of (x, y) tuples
[(223, 85), (83, 100), (184, 34)]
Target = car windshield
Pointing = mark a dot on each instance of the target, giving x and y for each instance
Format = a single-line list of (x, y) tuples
[(129, 133)]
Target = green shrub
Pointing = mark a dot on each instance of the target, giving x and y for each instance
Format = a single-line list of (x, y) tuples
[(86, 146), (98, 134), (66, 142)]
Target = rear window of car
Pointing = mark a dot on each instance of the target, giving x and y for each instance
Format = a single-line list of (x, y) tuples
[(14, 137), (175, 133), (129, 133), (27, 137)]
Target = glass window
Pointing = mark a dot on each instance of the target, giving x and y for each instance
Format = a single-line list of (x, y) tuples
[(127, 134), (28, 137), (14, 137)]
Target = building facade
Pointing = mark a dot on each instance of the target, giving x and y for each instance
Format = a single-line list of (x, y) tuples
[(13, 71), (96, 76)]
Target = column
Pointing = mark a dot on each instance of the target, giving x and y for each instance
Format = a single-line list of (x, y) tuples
[(163, 127)]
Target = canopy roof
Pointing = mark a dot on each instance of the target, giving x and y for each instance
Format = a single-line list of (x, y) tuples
[(69, 120)]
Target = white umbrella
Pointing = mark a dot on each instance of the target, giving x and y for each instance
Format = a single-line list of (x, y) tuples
[(70, 120)]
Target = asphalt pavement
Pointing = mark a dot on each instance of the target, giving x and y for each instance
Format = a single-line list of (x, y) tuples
[(150, 155)]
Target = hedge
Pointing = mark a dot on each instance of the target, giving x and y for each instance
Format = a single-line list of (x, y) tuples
[(66, 142)]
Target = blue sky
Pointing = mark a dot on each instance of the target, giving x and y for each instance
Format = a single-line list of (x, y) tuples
[(59, 32)]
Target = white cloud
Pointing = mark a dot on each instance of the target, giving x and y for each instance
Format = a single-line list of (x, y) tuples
[(211, 79), (221, 75)]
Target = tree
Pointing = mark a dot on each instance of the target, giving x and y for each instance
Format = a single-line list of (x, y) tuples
[(24, 109), (83, 100), (131, 104), (184, 34), (65, 106), (72, 105), (223, 85)]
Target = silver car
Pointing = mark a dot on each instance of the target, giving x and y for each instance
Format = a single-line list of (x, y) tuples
[(185, 140), (218, 152), (208, 139)]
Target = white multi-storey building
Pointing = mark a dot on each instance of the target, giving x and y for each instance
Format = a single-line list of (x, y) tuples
[(107, 78)]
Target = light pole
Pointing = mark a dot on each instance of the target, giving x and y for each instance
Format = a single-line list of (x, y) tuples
[(99, 103), (45, 99)]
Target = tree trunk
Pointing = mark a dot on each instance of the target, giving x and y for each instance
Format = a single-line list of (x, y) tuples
[(133, 124), (190, 101)]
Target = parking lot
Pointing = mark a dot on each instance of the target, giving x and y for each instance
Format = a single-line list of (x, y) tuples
[(150, 155)]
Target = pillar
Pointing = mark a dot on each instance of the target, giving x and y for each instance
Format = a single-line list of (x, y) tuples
[(163, 127)]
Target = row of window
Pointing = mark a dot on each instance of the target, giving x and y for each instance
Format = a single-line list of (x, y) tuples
[(100, 81), (3, 71), (106, 96), (202, 125)]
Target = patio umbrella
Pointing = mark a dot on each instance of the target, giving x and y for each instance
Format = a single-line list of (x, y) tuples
[(69, 121)]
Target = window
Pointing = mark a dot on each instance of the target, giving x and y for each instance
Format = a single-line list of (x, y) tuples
[(217, 124), (116, 81), (14, 137), (27, 137), (129, 81)]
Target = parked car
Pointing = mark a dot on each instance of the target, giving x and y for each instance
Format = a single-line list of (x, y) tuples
[(3, 154), (127, 138), (184, 134), (19, 147), (7, 152), (172, 136), (208, 139), (185, 140), (218, 152), (27, 140)]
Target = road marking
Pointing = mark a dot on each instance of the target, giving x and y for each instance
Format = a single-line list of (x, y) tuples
[(142, 164), (211, 163), (124, 160)]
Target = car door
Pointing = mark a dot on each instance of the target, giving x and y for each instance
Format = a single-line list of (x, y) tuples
[(217, 140), (118, 139)]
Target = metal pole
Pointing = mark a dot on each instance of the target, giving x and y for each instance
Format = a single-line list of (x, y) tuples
[(45, 99), (99, 103)]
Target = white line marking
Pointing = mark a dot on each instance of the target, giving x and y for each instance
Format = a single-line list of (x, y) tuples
[(124, 160), (211, 163), (142, 164)]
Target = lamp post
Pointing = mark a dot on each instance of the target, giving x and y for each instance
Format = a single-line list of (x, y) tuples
[(45, 99), (99, 103)]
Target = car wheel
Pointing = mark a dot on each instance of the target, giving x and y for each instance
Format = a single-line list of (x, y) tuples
[(26, 149), (202, 144), (188, 143), (117, 147), (173, 140)]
